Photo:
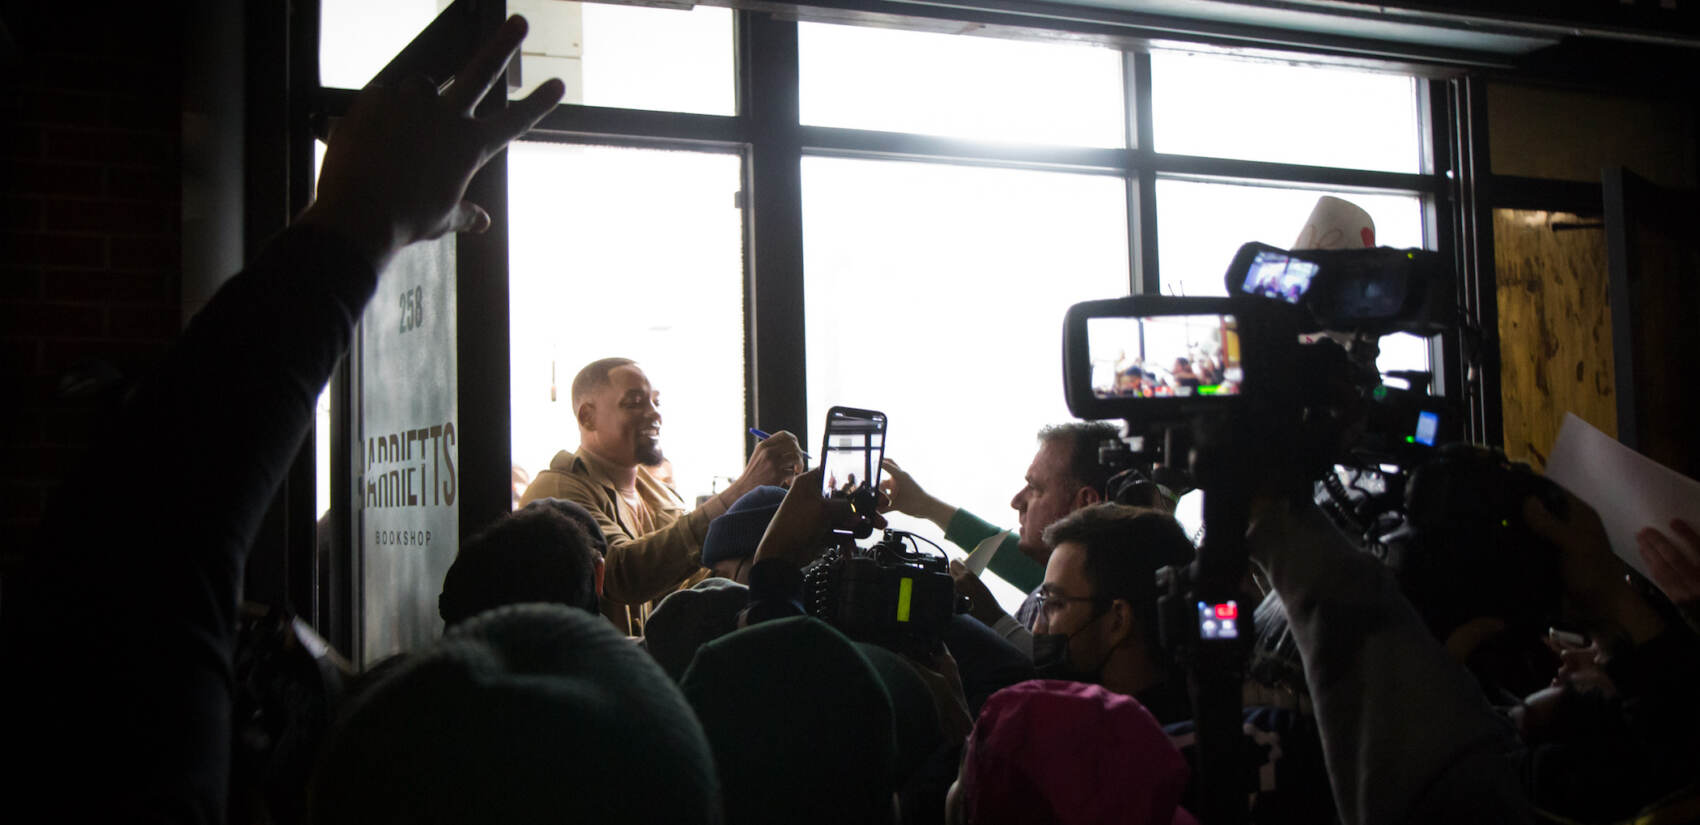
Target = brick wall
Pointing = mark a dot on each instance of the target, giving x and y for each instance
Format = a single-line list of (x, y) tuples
[(90, 202)]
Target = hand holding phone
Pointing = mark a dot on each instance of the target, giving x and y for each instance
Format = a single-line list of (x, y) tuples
[(806, 524), (851, 451)]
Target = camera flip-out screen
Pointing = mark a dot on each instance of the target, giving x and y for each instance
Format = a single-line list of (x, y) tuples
[(1275, 274), (1163, 356), (1151, 358)]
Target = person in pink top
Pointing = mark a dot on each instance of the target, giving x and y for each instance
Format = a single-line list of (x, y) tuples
[(1067, 753)]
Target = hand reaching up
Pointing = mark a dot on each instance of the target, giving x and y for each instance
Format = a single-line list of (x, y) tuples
[(398, 165)]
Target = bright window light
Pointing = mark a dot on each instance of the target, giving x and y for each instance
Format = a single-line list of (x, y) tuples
[(631, 57), (935, 294), (633, 253), (607, 55), (980, 88), (358, 37), (1280, 112), (1201, 225)]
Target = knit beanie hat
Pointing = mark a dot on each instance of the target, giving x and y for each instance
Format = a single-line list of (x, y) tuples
[(525, 714), (914, 716), (688, 619), (736, 532), (799, 722), (1073, 754)]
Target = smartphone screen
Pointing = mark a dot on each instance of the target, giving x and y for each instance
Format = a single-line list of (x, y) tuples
[(851, 452), (1165, 356), (1276, 275)]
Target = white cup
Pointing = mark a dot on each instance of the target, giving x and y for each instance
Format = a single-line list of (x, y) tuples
[(1336, 224)]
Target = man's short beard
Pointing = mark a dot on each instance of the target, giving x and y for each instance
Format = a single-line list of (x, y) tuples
[(649, 455)]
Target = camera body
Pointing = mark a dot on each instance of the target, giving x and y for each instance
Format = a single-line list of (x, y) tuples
[(1289, 354), (888, 594), (1375, 291)]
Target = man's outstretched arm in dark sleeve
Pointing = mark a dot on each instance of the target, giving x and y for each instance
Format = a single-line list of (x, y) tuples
[(1406, 733), (117, 636)]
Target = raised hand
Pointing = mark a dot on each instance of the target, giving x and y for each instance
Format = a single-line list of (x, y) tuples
[(904, 494), (985, 606), (1593, 576), (398, 165), (775, 460), (1673, 565)]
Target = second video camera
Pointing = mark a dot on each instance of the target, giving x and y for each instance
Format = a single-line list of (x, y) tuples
[(890, 594)]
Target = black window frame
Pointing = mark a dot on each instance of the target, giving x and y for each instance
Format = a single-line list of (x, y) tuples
[(766, 131)]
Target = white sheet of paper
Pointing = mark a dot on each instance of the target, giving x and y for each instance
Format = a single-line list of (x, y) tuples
[(983, 552), (1629, 490)]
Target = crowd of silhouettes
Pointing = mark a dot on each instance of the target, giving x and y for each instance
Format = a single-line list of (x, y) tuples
[(1422, 688)]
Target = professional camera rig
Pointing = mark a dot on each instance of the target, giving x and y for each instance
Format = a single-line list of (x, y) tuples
[(1265, 392), (894, 593)]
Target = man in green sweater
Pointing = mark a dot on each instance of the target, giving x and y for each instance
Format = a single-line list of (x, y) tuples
[(1065, 476)]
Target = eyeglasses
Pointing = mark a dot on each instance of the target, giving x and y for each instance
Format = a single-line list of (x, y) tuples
[(1051, 602)]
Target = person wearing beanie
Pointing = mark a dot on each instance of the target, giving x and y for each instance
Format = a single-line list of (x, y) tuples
[(730, 544), (931, 721), (800, 724), (547, 551), (1050, 752), (525, 714), (691, 618)]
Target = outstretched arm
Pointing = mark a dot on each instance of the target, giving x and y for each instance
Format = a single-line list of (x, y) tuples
[(125, 618), (906, 496), (1406, 733)]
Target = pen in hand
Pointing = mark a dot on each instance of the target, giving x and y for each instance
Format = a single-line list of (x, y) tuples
[(765, 436)]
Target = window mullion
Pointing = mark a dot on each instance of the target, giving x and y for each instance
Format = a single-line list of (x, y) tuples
[(1142, 186), (774, 221)]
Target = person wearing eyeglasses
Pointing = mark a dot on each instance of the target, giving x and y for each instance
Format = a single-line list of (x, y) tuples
[(1097, 616)]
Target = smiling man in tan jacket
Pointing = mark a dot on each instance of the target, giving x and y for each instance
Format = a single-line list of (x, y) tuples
[(654, 543)]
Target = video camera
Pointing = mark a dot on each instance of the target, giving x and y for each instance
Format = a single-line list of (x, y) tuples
[(1291, 351), (1276, 381), (1377, 291), (894, 593)]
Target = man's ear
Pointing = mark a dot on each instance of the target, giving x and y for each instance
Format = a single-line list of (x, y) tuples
[(1087, 496), (1119, 623), (586, 414), (601, 567)]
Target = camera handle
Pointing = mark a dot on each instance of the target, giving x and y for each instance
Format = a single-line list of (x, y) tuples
[(1215, 668)]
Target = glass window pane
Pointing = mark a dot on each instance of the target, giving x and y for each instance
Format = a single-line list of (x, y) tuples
[(1201, 225), (1258, 110), (935, 294), (634, 253), (631, 57), (960, 86), (358, 37), (608, 55)]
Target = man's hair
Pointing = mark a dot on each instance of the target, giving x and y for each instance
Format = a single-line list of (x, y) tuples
[(539, 553), (594, 376), (1125, 547), (1083, 438)]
